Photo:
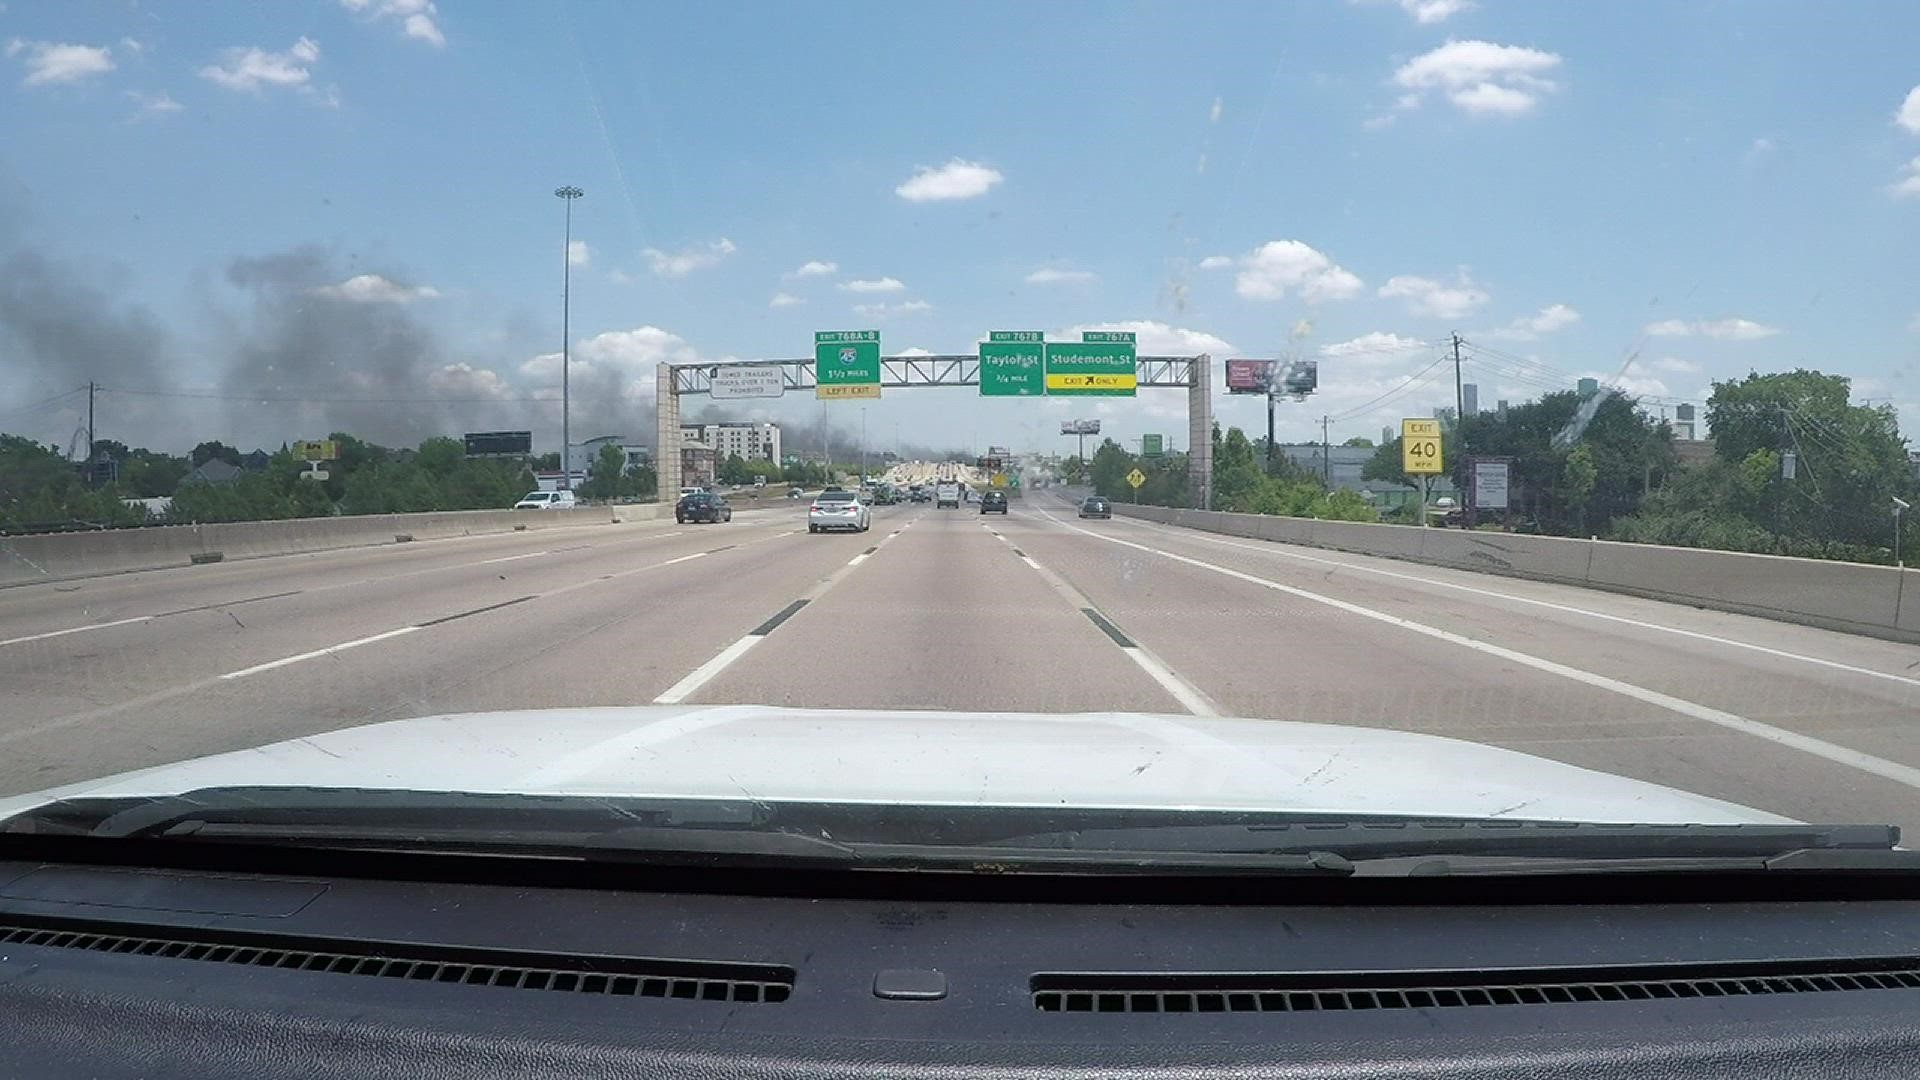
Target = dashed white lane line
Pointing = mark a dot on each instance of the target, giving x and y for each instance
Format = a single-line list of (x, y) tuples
[(77, 630), (1190, 697), (510, 558), (1278, 550), (705, 673), (1793, 740), (317, 653)]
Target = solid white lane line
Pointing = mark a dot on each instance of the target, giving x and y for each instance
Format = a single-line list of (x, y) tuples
[(1280, 550), (1891, 770), (317, 653), (510, 558), (1183, 692), (699, 676), (857, 559), (76, 630)]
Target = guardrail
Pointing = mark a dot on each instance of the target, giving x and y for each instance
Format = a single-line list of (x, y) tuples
[(1852, 597), (26, 560)]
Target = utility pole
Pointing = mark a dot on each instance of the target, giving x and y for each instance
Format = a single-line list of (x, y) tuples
[(567, 194), (1269, 425), (90, 389), (1326, 452), (1459, 392)]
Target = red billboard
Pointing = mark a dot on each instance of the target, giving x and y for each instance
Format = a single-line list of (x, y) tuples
[(1249, 376)]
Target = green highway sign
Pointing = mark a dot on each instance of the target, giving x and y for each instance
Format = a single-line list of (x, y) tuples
[(846, 364), (1013, 363), (1152, 446), (1108, 336), (1091, 369)]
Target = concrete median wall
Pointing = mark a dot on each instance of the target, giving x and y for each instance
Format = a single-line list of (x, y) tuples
[(1879, 601), (26, 560)]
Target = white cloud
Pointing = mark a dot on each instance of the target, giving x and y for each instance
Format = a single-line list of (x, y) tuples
[(1547, 320), (249, 68), (418, 19), (630, 354), (885, 310), (873, 285), (914, 350), (1670, 365), (1437, 299), (1048, 275), (134, 46), (463, 380), (1157, 338), (1215, 262), (1427, 12), (619, 276), (956, 179), (816, 268), (145, 105), (1729, 329), (1219, 109), (1909, 115), (374, 289), (1915, 324), (1276, 267), (578, 253), (1480, 77), (1907, 186), (49, 62), (688, 259), (781, 299), (1378, 349)]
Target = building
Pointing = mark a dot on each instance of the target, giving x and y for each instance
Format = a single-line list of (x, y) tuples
[(697, 466), (1469, 400), (213, 471), (1684, 427), (750, 441), (583, 454), (1342, 466)]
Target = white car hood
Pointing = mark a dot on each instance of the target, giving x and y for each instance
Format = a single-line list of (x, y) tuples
[(937, 758)]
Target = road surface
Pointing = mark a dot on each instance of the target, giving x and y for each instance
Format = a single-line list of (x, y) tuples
[(949, 609)]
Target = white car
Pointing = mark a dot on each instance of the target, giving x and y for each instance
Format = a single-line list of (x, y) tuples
[(546, 500), (838, 510)]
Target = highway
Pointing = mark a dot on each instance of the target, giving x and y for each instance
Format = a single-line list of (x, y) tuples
[(1037, 611)]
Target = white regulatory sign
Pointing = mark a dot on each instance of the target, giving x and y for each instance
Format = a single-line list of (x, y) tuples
[(732, 381), (1489, 485)]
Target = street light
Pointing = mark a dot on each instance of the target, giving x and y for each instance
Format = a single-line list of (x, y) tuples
[(567, 195), (1899, 504)]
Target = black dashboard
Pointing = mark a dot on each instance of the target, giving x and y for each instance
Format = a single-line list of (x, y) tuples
[(108, 968)]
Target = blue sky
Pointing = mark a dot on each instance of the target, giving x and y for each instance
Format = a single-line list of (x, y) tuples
[(349, 201)]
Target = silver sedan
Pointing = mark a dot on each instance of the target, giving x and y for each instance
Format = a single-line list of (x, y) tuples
[(838, 510)]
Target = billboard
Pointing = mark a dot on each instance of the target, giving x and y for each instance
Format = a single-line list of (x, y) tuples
[(734, 381), (1300, 377), (316, 450), (498, 443), (1152, 446), (1249, 376), (999, 452), (1079, 427)]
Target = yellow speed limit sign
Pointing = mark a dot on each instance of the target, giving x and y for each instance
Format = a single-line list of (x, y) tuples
[(1420, 446)]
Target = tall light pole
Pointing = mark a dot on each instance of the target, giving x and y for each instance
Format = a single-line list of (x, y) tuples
[(1899, 505), (567, 194)]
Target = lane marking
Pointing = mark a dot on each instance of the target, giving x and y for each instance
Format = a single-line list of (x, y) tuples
[(510, 558), (1280, 549), (229, 603), (475, 611), (1890, 770), (705, 673), (1190, 697), (78, 629), (317, 653)]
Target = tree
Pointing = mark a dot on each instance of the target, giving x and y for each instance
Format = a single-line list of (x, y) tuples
[(605, 474), (208, 451), (733, 470), (1579, 475), (1359, 441)]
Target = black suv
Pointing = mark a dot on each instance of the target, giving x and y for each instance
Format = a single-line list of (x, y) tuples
[(1096, 507), (993, 502)]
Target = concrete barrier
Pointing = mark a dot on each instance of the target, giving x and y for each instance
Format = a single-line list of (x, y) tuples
[(26, 560), (1879, 601)]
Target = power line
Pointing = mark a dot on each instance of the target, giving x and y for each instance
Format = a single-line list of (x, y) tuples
[(1395, 392), (38, 405)]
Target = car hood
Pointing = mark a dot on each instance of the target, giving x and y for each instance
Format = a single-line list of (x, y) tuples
[(934, 758)]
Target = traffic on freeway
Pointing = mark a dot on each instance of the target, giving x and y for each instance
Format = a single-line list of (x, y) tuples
[(959, 542)]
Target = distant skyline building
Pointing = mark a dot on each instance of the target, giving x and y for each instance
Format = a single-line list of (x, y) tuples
[(1470, 400)]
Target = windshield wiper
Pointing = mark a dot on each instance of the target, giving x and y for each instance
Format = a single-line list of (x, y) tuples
[(1466, 846)]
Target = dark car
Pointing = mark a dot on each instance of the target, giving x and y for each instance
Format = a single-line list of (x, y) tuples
[(1096, 507), (993, 502), (702, 506)]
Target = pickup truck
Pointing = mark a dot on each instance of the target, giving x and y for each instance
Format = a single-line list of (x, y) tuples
[(546, 500)]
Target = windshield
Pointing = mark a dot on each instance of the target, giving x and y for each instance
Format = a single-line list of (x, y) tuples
[(1375, 410)]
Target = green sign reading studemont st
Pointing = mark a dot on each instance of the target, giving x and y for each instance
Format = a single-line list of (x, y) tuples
[(1013, 363)]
